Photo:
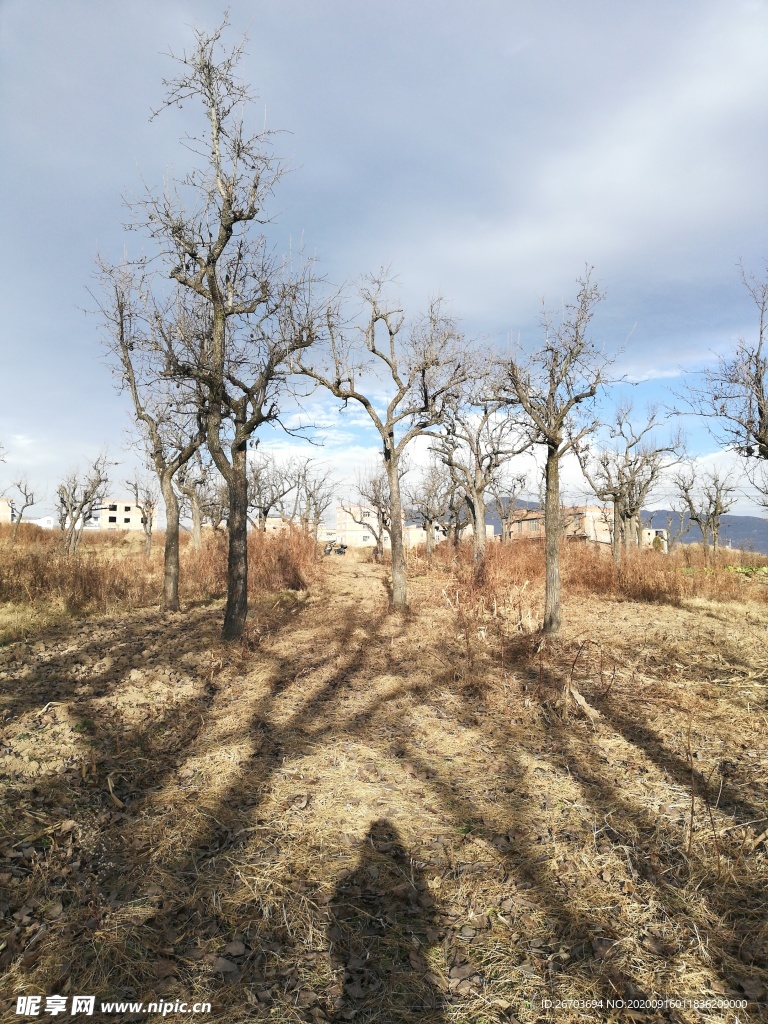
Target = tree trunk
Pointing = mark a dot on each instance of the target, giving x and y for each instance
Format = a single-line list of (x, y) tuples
[(477, 508), (237, 562), (399, 581), (552, 611), (196, 538), (16, 526), (616, 539), (170, 602), (430, 530)]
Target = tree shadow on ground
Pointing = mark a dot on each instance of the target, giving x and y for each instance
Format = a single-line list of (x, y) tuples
[(234, 907)]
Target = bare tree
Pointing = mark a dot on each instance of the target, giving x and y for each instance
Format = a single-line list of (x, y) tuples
[(257, 309), (375, 513), (428, 498), (421, 369), (214, 502), (626, 471), (145, 499), (170, 419), (678, 523), (551, 387), (734, 393), (478, 437), (315, 492), (707, 495), (506, 489), (269, 484), (457, 512), (25, 499), (79, 496), (191, 481)]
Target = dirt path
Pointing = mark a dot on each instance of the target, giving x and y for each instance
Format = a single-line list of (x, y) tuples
[(360, 815)]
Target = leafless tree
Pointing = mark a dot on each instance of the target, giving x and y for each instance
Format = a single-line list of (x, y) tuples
[(145, 499), (79, 496), (24, 499), (269, 484), (420, 368), (138, 329), (215, 503), (457, 512), (707, 496), (375, 513), (192, 482), (552, 388), (315, 491), (733, 395), (257, 309), (625, 471), (506, 488), (478, 437), (428, 499), (678, 523)]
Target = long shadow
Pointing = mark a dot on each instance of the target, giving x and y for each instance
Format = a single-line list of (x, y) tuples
[(655, 747), (174, 928), (378, 937), (62, 672), (116, 881)]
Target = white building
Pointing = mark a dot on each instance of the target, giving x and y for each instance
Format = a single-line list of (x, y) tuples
[(5, 511), (122, 514), (354, 525), (45, 522)]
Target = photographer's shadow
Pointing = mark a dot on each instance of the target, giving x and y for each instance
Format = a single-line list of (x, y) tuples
[(378, 936)]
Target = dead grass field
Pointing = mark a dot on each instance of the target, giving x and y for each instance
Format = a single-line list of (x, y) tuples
[(360, 816)]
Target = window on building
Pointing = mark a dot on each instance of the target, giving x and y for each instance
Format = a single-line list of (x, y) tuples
[(127, 519), (533, 526), (366, 536), (520, 526), (127, 508), (143, 520), (113, 508), (113, 519), (366, 515)]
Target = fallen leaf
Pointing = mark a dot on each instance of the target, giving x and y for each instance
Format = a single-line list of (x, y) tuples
[(223, 965)]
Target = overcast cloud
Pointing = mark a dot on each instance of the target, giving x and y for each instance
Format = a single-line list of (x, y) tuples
[(485, 152)]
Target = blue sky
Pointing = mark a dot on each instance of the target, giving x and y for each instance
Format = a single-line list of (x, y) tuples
[(486, 153)]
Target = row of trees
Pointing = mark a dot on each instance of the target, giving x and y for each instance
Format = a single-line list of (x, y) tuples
[(213, 333)]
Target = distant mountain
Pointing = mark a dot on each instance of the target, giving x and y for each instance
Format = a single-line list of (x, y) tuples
[(750, 533)]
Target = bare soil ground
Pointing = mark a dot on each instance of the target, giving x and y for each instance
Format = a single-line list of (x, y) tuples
[(363, 816)]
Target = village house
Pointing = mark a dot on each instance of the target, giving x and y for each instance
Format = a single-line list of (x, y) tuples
[(121, 514), (591, 523), (6, 514), (353, 528)]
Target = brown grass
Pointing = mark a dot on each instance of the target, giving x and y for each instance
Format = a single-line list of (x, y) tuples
[(512, 577), (111, 574), (394, 818)]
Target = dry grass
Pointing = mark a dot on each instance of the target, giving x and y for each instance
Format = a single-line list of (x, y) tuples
[(110, 573), (393, 818)]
